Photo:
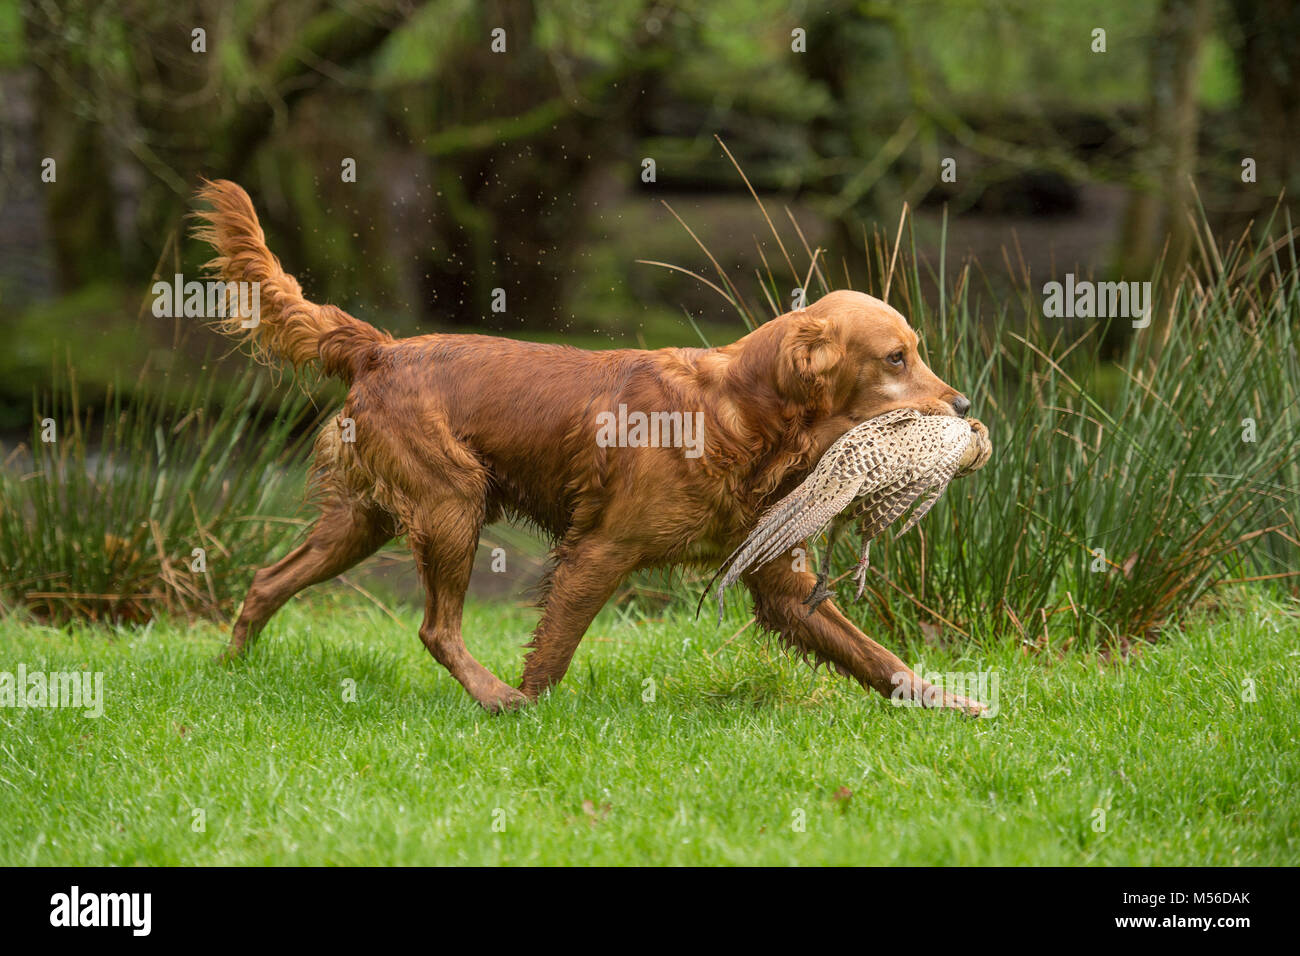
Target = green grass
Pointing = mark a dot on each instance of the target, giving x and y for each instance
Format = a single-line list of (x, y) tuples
[(738, 738)]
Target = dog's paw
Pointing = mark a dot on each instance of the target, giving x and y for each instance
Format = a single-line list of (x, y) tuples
[(971, 708), (502, 698)]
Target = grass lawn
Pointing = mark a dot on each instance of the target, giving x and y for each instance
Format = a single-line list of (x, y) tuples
[(739, 744)]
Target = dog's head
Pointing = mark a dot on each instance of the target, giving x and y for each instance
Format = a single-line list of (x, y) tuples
[(797, 383), (850, 355)]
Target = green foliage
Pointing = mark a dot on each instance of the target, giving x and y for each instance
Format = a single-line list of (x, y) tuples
[(1134, 467), (1020, 52), (1154, 475), (101, 523), (418, 49), (11, 34)]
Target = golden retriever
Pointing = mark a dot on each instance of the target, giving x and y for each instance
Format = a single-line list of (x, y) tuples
[(442, 434)]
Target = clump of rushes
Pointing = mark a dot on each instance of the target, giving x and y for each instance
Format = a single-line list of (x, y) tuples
[(1124, 486), (103, 522)]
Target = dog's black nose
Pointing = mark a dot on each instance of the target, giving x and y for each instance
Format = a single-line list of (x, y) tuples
[(961, 405)]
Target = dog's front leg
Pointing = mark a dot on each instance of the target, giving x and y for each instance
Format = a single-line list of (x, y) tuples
[(829, 636)]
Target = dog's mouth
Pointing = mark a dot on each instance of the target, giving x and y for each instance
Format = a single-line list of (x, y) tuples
[(925, 408), (944, 409)]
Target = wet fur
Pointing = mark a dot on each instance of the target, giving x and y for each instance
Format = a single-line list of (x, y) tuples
[(454, 432)]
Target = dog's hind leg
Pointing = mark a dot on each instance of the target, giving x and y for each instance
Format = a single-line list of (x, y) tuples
[(438, 487), (585, 575), (345, 534), (444, 543)]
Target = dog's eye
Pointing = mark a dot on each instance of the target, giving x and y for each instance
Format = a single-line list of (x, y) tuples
[(895, 358)]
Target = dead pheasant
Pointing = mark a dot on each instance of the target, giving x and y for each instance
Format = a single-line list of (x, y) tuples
[(871, 475)]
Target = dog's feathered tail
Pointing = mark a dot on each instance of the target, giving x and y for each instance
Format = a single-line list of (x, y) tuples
[(286, 326)]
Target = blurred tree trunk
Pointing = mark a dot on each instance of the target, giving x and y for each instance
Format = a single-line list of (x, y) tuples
[(27, 262), (512, 156), (79, 216), (850, 52), (137, 105), (1269, 67), (1158, 214)]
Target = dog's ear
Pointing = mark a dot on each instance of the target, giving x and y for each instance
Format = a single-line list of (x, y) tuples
[(810, 359)]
